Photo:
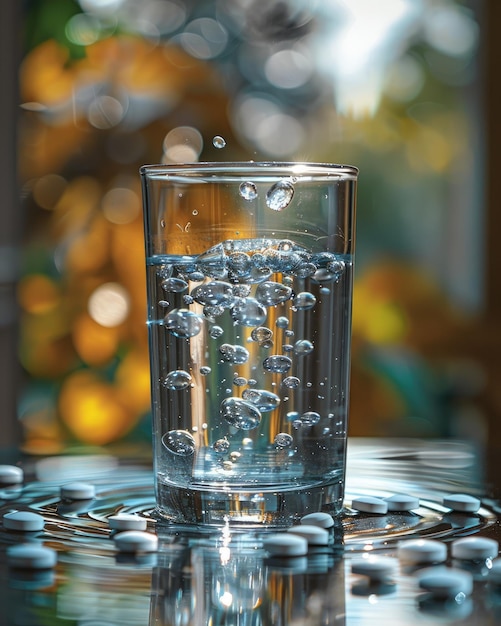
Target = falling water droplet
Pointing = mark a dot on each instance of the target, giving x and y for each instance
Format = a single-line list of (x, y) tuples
[(218, 142)]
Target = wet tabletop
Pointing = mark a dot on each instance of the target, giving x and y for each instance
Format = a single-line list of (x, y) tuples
[(225, 576)]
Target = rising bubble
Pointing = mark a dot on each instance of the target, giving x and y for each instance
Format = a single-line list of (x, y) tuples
[(175, 285), (218, 142), (179, 442), (248, 312), (279, 195), (261, 334), (177, 380), (277, 363), (310, 418), (304, 301), (283, 440), (221, 446), (183, 323), (240, 414), (291, 382), (303, 347), (248, 190), (214, 293), (270, 293), (205, 370), (234, 354), (263, 399)]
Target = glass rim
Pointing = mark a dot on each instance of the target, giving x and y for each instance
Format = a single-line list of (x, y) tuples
[(290, 168)]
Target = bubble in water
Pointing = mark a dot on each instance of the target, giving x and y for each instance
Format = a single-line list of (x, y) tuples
[(179, 442), (211, 312), (263, 399), (241, 291), (176, 285), (336, 267), (205, 370), (187, 300), (304, 301), (163, 303), (240, 413), (291, 382), (277, 363), (251, 382), (261, 334), (283, 440), (292, 416), (212, 262), (221, 446), (279, 195), (239, 381), (248, 312), (310, 418), (306, 270), (248, 190), (177, 380), (282, 322), (183, 323), (214, 293), (234, 354), (303, 347), (285, 245), (218, 142), (270, 293)]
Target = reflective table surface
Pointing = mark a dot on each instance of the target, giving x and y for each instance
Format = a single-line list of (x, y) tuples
[(224, 576)]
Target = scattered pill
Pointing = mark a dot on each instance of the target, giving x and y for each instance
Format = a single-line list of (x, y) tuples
[(78, 491), (369, 504), (23, 521), (401, 502), (422, 551), (462, 503), (136, 541), (31, 556), (285, 544), (495, 572), (377, 568), (323, 520), (314, 535), (446, 582), (11, 474), (122, 521), (474, 548)]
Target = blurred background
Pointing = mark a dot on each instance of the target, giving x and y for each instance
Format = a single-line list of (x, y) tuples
[(403, 89)]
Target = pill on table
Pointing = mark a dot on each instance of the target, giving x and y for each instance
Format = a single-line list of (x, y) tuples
[(23, 521), (285, 544), (314, 535), (446, 582), (320, 519), (474, 548), (369, 504), (377, 568), (11, 474), (31, 556), (462, 502), (123, 521), (78, 491), (495, 572), (401, 502), (136, 541), (416, 551)]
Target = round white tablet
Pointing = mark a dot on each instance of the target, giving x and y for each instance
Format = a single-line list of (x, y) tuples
[(31, 556), (323, 520), (462, 502), (23, 521), (78, 491), (11, 475), (369, 504), (495, 572), (401, 502), (446, 582), (377, 568), (314, 535), (474, 548), (124, 521), (416, 551), (285, 544), (136, 541)]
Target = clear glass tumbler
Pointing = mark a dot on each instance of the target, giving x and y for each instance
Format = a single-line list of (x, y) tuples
[(250, 270)]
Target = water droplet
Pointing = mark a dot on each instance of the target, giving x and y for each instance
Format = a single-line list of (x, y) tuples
[(270, 293), (282, 322), (234, 354), (248, 312), (261, 334), (303, 347), (218, 142), (291, 382), (214, 293), (240, 414), (279, 195), (304, 301), (263, 399), (277, 363), (310, 418), (179, 442), (183, 323), (205, 370), (176, 285), (283, 440), (221, 446), (177, 380), (216, 331), (248, 190)]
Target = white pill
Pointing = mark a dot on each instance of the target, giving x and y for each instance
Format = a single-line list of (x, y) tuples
[(401, 502), (495, 572), (77, 491), (23, 521), (285, 544), (31, 556), (446, 582), (122, 521), (474, 548), (369, 504), (417, 551), (10, 475), (314, 535), (323, 520), (462, 503), (136, 541), (377, 568)]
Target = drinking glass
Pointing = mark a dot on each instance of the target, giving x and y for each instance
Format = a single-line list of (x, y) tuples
[(250, 270)]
